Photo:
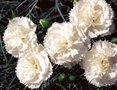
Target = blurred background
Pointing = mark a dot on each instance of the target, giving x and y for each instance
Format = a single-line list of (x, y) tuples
[(43, 13)]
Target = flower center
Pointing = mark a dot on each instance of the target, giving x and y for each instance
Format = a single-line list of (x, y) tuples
[(34, 64), (104, 64), (89, 16), (31, 69), (97, 15), (63, 46)]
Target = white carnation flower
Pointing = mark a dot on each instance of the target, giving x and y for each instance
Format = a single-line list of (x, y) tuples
[(19, 35), (64, 45), (94, 17), (33, 67), (100, 64)]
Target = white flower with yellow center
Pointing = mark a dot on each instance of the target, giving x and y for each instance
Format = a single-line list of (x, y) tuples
[(64, 45), (94, 17), (100, 64), (19, 35), (33, 67)]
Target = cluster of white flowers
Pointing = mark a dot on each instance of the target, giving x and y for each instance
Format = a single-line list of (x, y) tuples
[(67, 44), (20, 40), (95, 17)]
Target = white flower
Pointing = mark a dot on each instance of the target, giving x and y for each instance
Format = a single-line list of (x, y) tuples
[(19, 35), (94, 17), (100, 64), (64, 45), (33, 67)]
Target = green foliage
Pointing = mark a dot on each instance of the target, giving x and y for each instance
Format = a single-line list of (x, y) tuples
[(61, 77), (72, 77), (13, 13), (44, 23), (74, 1), (114, 40)]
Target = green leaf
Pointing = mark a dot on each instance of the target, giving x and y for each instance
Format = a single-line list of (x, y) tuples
[(72, 77), (30, 16), (44, 23), (74, 1), (61, 77), (13, 13), (114, 40)]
